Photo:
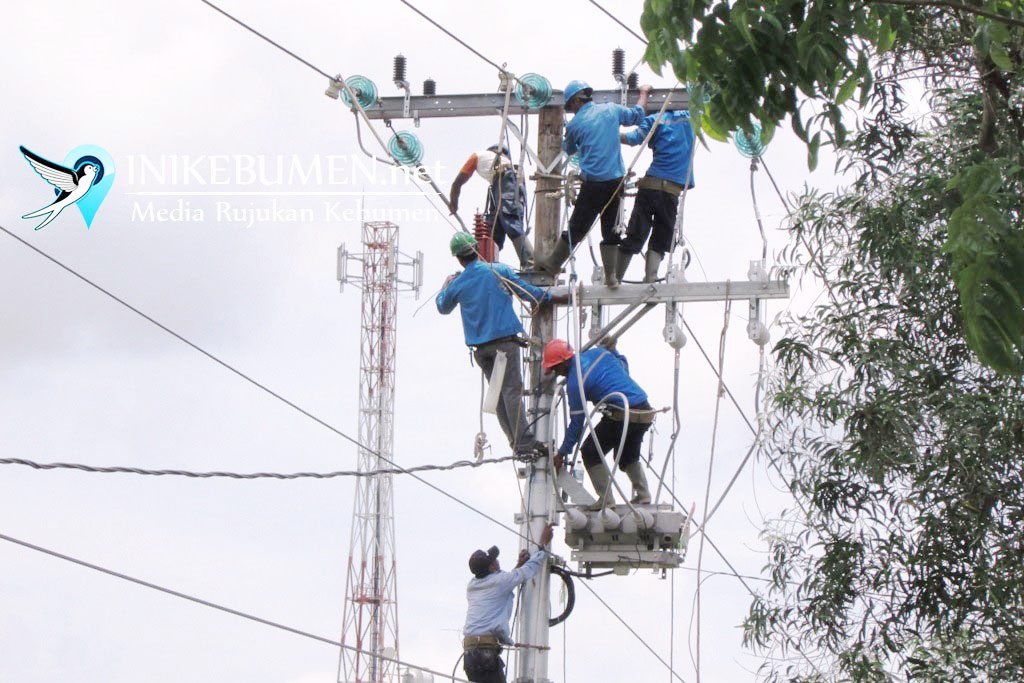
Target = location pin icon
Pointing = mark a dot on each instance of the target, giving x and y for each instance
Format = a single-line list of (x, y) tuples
[(90, 203)]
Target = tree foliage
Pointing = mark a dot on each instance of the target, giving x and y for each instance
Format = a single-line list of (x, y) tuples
[(897, 409), (812, 61)]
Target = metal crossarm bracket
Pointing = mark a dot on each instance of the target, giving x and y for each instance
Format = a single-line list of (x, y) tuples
[(492, 104), (667, 292)]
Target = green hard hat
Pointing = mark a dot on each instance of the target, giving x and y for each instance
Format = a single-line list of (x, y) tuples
[(462, 244)]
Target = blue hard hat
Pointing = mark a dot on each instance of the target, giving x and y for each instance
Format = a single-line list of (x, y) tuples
[(576, 87)]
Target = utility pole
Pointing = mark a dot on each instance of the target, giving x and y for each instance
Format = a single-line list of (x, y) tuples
[(539, 501), (596, 538), (370, 617)]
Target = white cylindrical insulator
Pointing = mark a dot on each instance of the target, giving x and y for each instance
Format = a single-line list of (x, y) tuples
[(644, 518), (610, 519), (628, 525), (758, 332), (575, 519), (674, 336)]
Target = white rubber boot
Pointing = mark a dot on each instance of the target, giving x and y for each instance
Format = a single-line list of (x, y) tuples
[(601, 478), (651, 264), (610, 262), (637, 476)]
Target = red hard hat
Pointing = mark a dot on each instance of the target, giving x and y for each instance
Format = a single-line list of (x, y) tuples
[(556, 351)]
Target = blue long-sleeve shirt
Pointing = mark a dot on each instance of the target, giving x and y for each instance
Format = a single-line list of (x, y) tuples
[(485, 303), (594, 132), (490, 599), (603, 371), (672, 144)]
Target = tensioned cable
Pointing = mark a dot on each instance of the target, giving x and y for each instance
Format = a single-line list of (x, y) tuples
[(254, 382), (280, 47), (94, 469), (630, 629), (358, 108), (213, 605), (454, 37), (619, 22)]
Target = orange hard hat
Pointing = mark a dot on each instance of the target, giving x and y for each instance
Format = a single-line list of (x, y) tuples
[(556, 351)]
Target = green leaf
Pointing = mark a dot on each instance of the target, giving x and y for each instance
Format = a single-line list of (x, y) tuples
[(812, 151), (847, 89), (1001, 58)]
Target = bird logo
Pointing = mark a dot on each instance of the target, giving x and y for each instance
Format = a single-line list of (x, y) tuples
[(82, 180)]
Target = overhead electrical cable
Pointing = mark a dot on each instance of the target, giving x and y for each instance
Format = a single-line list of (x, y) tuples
[(256, 383), (216, 606), (619, 22), (95, 469)]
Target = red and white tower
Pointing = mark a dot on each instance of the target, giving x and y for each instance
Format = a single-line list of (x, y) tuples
[(370, 615)]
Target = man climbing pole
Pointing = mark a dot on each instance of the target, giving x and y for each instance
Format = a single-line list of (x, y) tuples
[(490, 595), (594, 133), (605, 372), (492, 328), (657, 197), (505, 209)]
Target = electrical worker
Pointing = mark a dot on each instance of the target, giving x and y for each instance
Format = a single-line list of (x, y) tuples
[(490, 595), (505, 209), (491, 327), (657, 196), (605, 372), (594, 133)]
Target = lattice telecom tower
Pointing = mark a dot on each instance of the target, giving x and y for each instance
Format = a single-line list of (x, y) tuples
[(370, 616)]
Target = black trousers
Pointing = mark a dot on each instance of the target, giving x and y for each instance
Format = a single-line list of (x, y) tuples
[(593, 197), (484, 665), (609, 433), (653, 209)]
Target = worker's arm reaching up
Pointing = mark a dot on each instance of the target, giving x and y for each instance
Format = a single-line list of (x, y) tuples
[(465, 173), (525, 571)]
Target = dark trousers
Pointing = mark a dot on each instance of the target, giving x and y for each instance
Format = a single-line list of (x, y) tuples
[(609, 433), (652, 209), (593, 197), (484, 665)]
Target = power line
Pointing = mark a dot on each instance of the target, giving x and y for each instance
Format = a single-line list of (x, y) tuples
[(618, 21), (212, 605), (94, 469), (631, 630), (255, 383), (280, 47), (454, 37)]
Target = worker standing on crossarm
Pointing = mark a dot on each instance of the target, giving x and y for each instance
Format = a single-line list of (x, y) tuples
[(605, 374), (657, 196), (491, 327), (593, 132), (490, 595), (505, 209)]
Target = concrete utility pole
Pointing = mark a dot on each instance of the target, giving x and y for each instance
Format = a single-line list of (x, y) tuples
[(539, 502), (590, 544)]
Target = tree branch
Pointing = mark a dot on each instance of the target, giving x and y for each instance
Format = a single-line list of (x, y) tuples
[(971, 9)]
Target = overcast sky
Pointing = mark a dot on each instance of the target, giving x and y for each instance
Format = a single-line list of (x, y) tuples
[(84, 380)]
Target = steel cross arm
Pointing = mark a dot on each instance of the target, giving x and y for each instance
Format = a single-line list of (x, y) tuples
[(661, 292), (492, 104)]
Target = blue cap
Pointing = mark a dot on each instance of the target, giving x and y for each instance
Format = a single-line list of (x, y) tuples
[(575, 88)]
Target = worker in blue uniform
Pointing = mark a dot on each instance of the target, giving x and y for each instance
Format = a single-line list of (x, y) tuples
[(606, 381), (657, 197), (491, 327), (593, 132), (490, 595), (505, 209)]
